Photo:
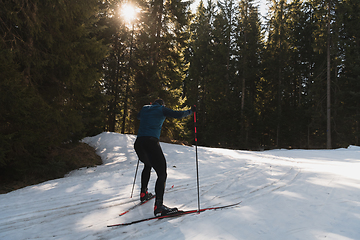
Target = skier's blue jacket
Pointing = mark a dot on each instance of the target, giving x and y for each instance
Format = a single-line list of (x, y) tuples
[(152, 118)]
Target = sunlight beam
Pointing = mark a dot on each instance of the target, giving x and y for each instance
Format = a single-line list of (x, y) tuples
[(128, 12)]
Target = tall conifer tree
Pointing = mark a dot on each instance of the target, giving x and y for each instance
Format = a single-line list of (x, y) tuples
[(249, 42), (53, 51)]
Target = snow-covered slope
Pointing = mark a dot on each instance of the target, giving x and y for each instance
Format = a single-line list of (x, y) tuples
[(285, 194)]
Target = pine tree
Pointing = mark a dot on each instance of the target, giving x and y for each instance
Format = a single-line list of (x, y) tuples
[(347, 107), (159, 64), (116, 63), (221, 75), (249, 68), (200, 56), (53, 70), (320, 77), (300, 71), (277, 57)]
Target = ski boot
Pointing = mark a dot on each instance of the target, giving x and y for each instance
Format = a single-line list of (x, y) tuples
[(161, 210), (145, 196)]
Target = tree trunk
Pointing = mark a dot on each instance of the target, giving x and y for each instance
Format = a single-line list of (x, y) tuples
[(328, 115)]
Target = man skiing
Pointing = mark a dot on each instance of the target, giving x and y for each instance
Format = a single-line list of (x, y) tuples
[(147, 147)]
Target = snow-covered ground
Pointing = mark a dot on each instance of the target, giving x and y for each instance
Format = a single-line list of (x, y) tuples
[(285, 194)]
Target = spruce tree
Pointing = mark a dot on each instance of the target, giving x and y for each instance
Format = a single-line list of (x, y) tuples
[(200, 56), (347, 113), (249, 42), (49, 60)]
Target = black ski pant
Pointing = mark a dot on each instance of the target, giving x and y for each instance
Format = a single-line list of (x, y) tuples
[(150, 153)]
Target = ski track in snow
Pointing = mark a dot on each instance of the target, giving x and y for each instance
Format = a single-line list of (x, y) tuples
[(294, 194)]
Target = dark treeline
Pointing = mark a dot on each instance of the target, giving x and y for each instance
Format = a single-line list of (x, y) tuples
[(71, 69), (266, 87), (50, 88)]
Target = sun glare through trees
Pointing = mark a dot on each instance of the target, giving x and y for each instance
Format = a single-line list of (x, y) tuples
[(128, 12)]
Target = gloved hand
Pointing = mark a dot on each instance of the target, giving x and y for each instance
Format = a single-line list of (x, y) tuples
[(193, 108)]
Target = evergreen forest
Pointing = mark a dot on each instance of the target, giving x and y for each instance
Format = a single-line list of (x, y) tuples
[(71, 69)]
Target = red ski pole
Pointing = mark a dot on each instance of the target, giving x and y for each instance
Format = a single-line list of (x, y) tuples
[(197, 163)]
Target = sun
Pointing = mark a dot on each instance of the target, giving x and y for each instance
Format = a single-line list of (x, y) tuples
[(128, 12)]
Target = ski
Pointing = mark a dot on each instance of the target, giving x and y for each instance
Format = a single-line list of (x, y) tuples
[(141, 203), (137, 205), (180, 213)]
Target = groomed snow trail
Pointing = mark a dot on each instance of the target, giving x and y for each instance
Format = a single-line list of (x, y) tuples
[(285, 194)]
